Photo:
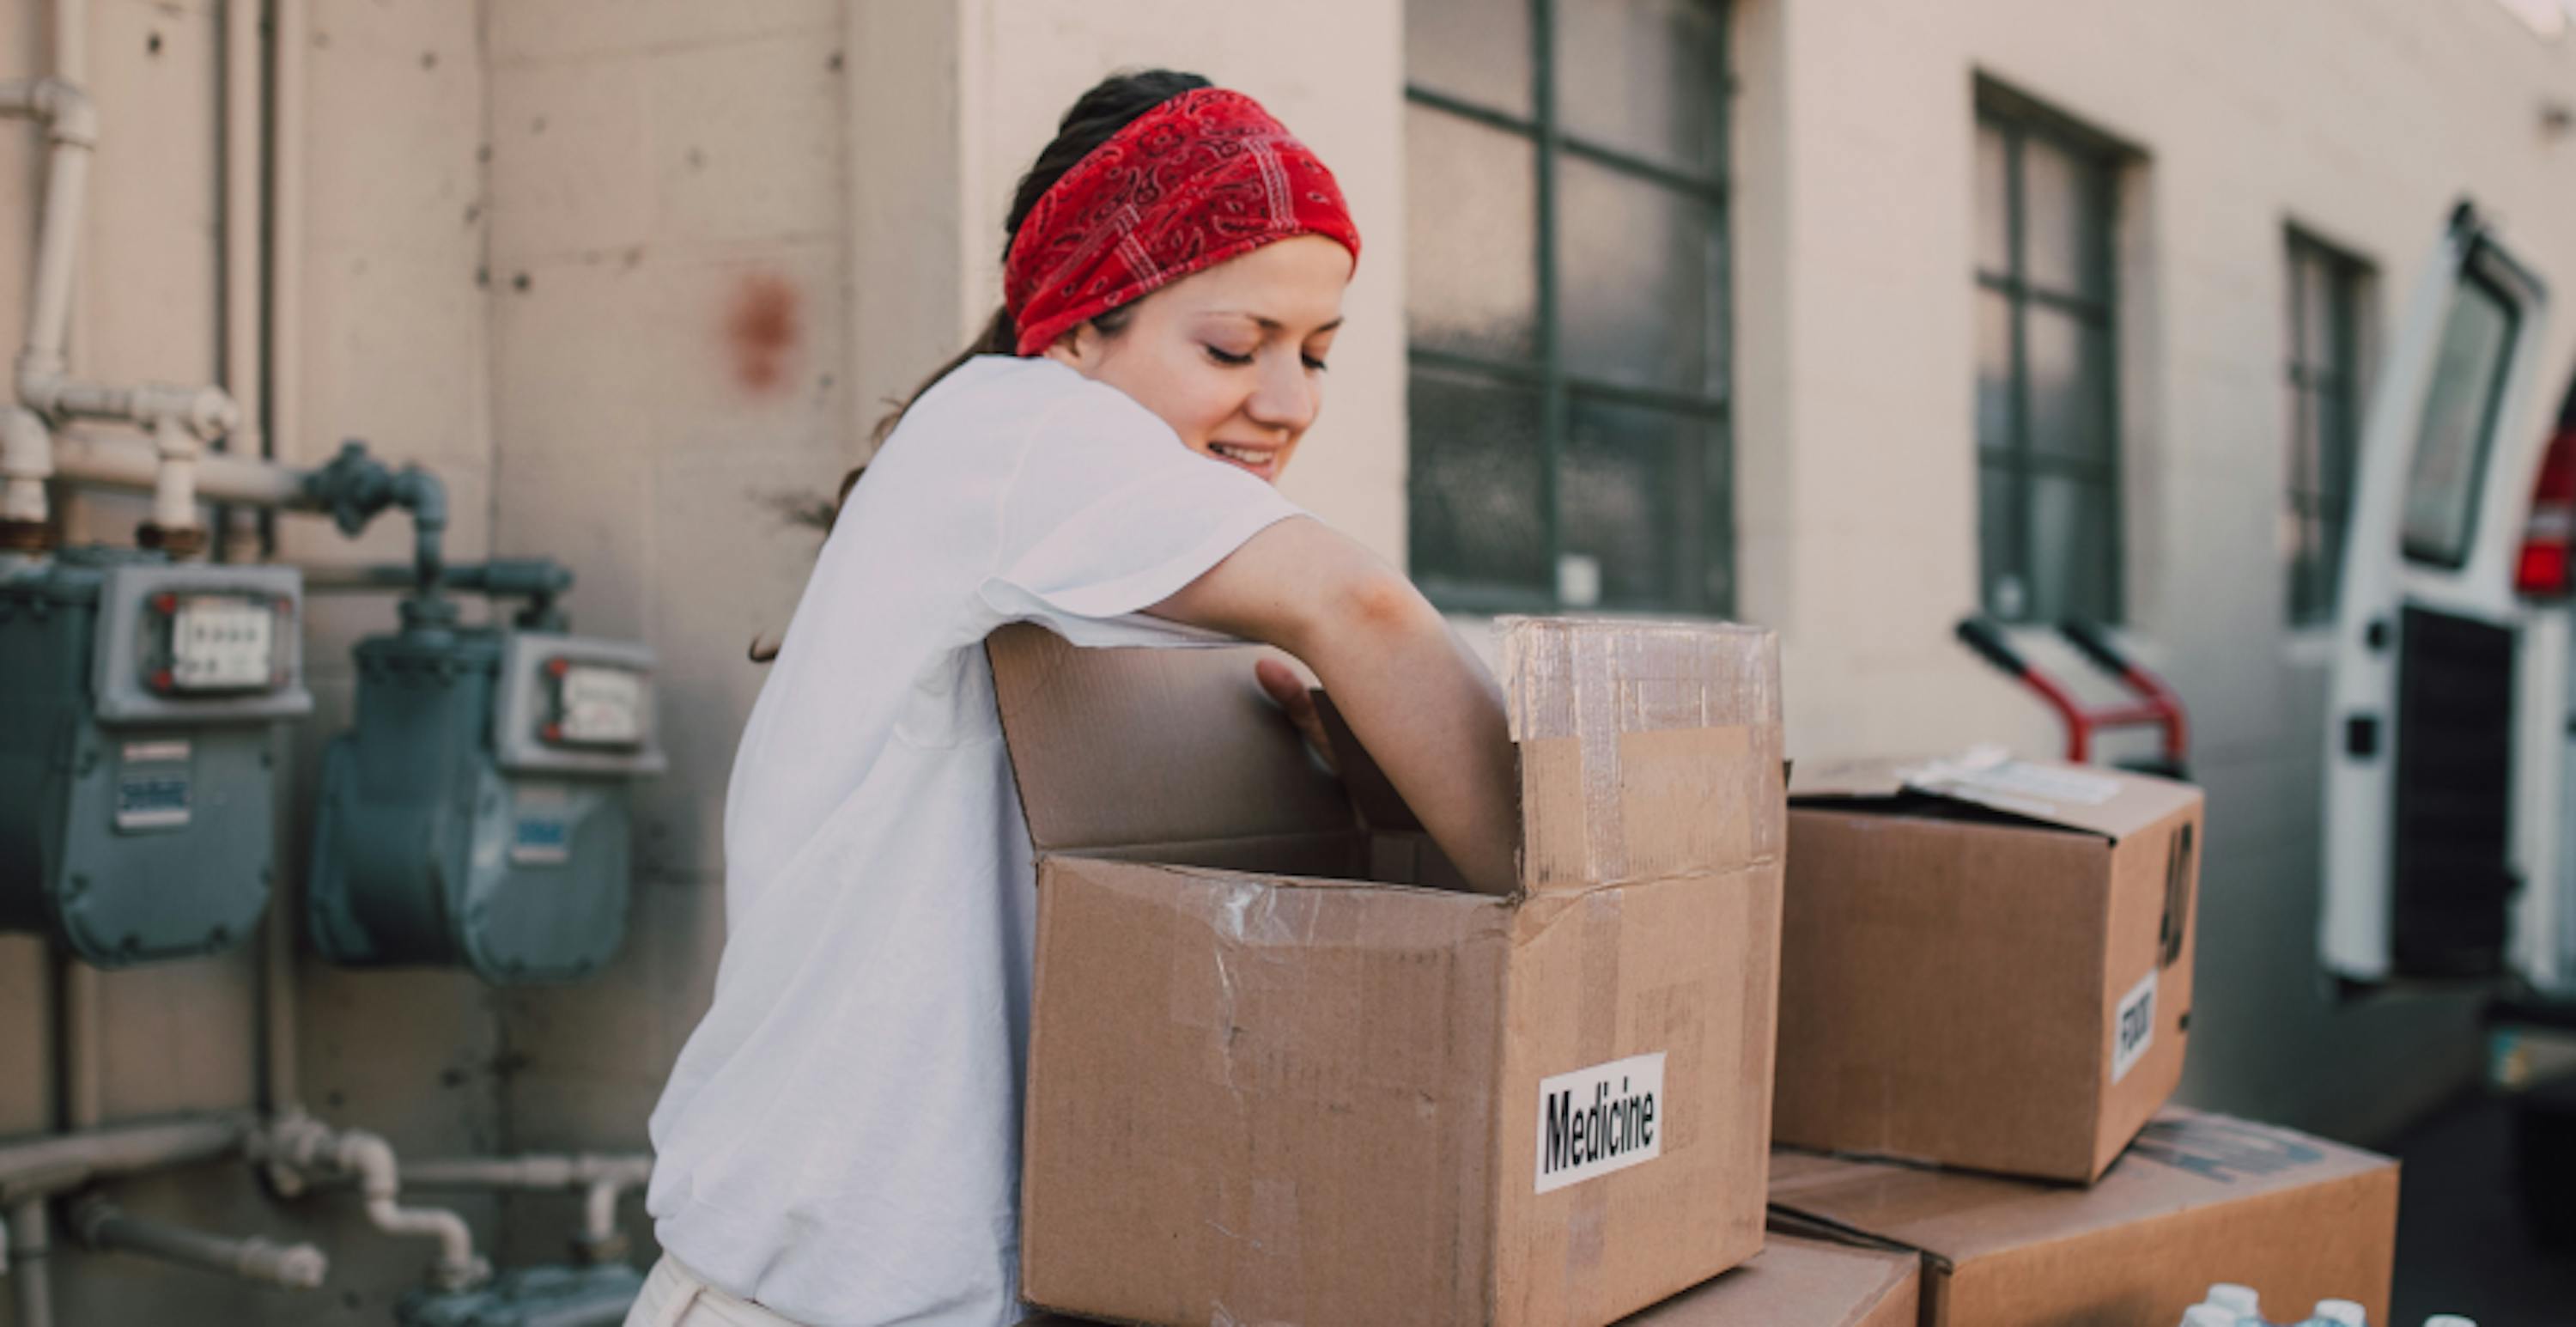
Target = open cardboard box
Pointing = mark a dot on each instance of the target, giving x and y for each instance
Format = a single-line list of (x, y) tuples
[(1984, 964), (1276, 1077)]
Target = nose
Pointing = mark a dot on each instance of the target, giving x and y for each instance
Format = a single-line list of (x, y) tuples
[(1286, 396)]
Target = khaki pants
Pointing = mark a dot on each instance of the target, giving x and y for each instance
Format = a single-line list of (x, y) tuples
[(674, 1296)]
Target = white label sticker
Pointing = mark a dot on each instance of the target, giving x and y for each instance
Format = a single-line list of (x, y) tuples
[(2135, 1029), (602, 705), (2040, 783), (1597, 1120), (540, 826), (222, 644)]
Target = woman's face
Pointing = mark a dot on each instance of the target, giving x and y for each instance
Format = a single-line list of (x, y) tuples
[(1233, 357)]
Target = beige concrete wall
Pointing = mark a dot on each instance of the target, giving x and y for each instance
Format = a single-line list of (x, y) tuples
[(2361, 120)]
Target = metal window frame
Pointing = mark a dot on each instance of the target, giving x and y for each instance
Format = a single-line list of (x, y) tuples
[(2019, 119), (2314, 380), (1559, 387)]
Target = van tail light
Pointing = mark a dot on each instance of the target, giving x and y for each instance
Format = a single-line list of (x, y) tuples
[(2541, 570)]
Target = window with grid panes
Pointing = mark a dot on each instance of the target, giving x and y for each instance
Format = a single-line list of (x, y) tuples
[(2048, 455), (1566, 303), (2323, 415)]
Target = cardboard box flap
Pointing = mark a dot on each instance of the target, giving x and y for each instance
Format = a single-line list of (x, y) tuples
[(2183, 1160), (1123, 746), (1647, 749), (2113, 803)]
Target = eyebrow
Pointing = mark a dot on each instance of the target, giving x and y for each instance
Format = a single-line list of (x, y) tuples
[(1272, 324)]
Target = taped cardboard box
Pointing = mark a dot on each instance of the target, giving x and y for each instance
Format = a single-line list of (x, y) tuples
[(1793, 1282), (2197, 1199), (1984, 964), (1273, 1079)]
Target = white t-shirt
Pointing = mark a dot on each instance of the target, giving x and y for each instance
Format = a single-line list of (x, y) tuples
[(840, 1139)]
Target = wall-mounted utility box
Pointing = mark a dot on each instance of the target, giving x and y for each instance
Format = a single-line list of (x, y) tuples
[(476, 815), (138, 770)]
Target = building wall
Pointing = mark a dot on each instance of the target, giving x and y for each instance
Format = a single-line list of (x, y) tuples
[(632, 276), (2359, 120)]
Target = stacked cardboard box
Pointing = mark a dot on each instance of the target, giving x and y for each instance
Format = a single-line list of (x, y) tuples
[(2197, 1199), (1984, 965), (1283, 1070), (1986, 973)]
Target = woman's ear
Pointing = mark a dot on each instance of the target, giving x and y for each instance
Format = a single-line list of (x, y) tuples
[(1077, 347)]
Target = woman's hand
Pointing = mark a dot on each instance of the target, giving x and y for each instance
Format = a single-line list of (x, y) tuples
[(1288, 691), (1415, 697)]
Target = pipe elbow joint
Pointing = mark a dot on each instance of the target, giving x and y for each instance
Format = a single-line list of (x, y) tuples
[(291, 1266), (70, 116)]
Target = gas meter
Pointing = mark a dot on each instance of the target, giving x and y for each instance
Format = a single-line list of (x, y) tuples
[(476, 814), (137, 766)]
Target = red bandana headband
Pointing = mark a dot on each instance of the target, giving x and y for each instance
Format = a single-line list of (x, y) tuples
[(1199, 179)]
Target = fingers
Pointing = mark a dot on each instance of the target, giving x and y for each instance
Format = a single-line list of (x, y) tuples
[(1288, 690), (1285, 689)]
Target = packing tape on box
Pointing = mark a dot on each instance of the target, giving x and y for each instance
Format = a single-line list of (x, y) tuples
[(1598, 695)]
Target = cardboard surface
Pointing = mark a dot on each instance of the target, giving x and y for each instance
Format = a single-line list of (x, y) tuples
[(1793, 1282), (1798, 1282), (1169, 746), (2199, 1198), (1257, 1096), (1995, 990)]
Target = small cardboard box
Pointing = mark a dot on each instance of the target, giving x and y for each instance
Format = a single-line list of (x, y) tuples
[(2196, 1200), (1272, 1079), (1798, 1282), (1984, 964)]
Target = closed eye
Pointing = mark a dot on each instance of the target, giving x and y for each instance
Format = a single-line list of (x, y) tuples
[(1228, 358)]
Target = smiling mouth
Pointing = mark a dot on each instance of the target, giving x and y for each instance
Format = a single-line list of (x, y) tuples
[(1256, 459)]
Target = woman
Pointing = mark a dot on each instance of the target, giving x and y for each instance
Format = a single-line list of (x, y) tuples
[(839, 1141)]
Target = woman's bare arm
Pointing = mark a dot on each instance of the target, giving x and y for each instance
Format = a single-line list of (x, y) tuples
[(1424, 706)]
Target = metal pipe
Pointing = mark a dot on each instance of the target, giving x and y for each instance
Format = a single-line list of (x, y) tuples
[(243, 369), (71, 126), (174, 487), (29, 1243), (130, 464), (500, 577), (103, 1225), (602, 1180), (301, 1142), (57, 1163), (292, 40), (83, 1095), (26, 461)]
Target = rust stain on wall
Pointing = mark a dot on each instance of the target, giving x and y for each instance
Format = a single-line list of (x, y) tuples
[(762, 330)]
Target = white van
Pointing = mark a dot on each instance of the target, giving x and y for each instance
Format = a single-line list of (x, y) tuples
[(2448, 796)]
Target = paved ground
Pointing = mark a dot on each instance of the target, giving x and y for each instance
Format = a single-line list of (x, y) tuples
[(2461, 1242)]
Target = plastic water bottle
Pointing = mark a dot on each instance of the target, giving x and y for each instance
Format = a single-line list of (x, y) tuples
[(2339, 1313), (2236, 1299), (2210, 1315)]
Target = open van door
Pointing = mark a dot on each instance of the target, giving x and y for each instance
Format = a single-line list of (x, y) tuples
[(2439, 802)]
